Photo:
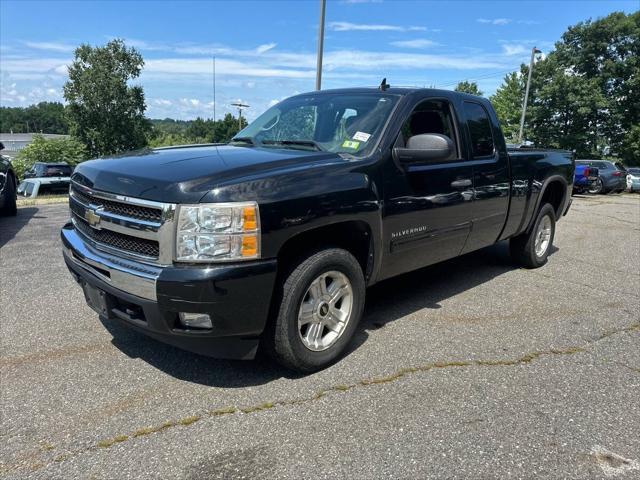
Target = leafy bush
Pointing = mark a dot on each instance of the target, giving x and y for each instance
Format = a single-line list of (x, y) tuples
[(67, 150)]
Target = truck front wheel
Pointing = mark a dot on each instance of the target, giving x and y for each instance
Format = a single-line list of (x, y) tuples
[(532, 249), (322, 302)]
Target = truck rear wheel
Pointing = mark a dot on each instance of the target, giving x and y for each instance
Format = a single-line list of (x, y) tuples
[(322, 303), (532, 249)]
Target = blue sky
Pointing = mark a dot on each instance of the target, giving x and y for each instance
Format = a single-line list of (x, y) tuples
[(265, 50)]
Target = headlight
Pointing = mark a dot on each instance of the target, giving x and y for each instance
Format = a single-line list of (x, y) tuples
[(212, 232)]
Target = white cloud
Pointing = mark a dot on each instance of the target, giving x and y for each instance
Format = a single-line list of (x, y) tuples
[(199, 66), (348, 27), (376, 61), (514, 49), (416, 43), (51, 46), (265, 48), (337, 64), (33, 65), (495, 21), (176, 75)]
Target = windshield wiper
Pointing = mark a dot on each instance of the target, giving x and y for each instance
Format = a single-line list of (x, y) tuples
[(294, 143), (244, 140)]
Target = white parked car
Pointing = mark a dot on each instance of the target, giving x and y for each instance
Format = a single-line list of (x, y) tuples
[(633, 179), (46, 178)]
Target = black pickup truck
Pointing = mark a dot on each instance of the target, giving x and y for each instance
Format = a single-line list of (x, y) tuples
[(273, 239)]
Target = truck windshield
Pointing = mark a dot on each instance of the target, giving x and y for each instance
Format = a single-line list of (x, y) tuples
[(338, 123)]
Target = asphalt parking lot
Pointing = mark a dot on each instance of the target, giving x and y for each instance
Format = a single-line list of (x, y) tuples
[(469, 369)]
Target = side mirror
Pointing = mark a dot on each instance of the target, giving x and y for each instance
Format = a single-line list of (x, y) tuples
[(1, 146), (426, 147)]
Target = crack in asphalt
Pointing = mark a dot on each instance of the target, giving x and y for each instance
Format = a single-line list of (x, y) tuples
[(335, 389)]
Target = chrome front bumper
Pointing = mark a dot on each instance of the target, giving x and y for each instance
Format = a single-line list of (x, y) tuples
[(132, 277)]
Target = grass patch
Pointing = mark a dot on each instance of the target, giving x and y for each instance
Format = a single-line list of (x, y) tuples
[(41, 200), (113, 441), (340, 388), (188, 420), (258, 408), (223, 411), (145, 431)]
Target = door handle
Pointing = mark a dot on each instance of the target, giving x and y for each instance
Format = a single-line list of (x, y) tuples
[(461, 183)]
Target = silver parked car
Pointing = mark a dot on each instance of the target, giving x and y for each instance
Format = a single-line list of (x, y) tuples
[(612, 176)]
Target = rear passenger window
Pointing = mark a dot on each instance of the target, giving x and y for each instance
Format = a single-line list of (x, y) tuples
[(480, 129)]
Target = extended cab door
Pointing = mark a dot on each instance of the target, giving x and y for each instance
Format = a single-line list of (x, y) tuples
[(491, 180), (427, 205)]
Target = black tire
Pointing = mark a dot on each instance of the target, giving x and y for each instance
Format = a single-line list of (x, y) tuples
[(287, 345), (523, 247), (9, 207), (596, 187)]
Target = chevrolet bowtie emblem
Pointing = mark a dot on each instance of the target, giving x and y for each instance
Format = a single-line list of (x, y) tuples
[(92, 218)]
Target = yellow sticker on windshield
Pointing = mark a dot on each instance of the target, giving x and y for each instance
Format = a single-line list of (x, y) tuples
[(350, 144)]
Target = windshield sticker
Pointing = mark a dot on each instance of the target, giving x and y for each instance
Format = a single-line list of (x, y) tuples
[(350, 144), (361, 136)]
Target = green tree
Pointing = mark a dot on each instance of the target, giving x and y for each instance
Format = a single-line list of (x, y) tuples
[(630, 148), (226, 128), (607, 51), (105, 112), (170, 139), (566, 109), (468, 87), (585, 96), (201, 129), (67, 150), (507, 102)]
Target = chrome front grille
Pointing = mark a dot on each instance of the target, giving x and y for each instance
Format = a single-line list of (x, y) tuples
[(127, 226), (126, 210), (127, 243)]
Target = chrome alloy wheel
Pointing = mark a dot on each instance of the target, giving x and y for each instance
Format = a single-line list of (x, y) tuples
[(543, 236), (325, 311)]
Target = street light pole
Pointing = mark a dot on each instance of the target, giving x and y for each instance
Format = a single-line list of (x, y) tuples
[(534, 50), (323, 4)]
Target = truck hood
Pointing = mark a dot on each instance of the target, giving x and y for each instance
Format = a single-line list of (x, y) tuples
[(185, 175)]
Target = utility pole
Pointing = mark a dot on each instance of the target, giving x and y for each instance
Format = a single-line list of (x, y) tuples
[(240, 107), (534, 50), (323, 4)]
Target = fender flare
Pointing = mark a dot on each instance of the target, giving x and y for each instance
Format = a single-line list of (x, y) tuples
[(543, 189)]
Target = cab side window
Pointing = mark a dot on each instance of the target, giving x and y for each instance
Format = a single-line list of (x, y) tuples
[(430, 116), (479, 129)]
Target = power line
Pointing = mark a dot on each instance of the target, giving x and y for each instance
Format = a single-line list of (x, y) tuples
[(477, 77)]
